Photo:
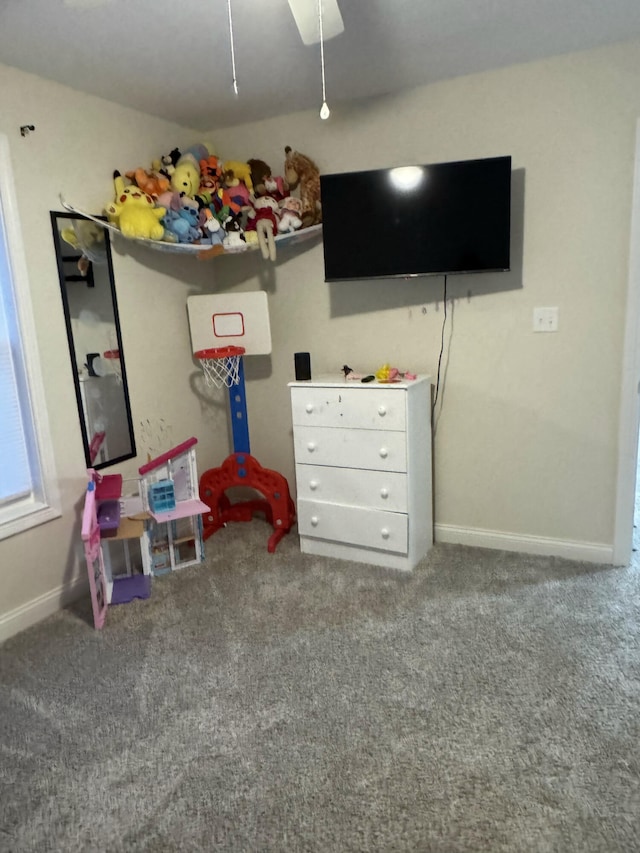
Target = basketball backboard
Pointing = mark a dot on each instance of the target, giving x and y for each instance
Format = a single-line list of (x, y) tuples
[(230, 319)]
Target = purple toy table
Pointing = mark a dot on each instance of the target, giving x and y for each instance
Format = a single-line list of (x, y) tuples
[(126, 589), (108, 517)]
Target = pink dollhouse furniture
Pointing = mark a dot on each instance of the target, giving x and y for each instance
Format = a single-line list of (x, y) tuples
[(163, 524)]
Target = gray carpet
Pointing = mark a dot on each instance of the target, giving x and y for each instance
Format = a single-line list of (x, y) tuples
[(261, 702)]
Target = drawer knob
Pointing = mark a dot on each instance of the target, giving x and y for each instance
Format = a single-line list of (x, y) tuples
[(314, 520), (382, 411), (313, 485), (384, 493), (384, 533), (384, 452), (309, 407), (311, 446)]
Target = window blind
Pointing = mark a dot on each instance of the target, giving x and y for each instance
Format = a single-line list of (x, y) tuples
[(15, 469)]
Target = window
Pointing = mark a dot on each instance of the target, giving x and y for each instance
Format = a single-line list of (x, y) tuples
[(27, 491)]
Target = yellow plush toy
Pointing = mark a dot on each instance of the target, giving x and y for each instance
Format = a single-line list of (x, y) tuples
[(87, 238), (186, 176), (242, 171), (134, 212)]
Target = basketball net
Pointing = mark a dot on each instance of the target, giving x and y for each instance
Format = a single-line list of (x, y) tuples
[(221, 366)]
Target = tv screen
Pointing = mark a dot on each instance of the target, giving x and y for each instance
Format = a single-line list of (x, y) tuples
[(417, 220)]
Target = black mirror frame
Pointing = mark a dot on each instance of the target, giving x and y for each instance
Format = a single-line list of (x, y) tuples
[(55, 217)]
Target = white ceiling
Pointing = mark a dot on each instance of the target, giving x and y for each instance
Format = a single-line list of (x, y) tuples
[(173, 59)]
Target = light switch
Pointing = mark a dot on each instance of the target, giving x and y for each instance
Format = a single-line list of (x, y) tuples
[(545, 319)]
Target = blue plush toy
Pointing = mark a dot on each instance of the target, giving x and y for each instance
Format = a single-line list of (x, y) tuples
[(182, 225), (191, 213)]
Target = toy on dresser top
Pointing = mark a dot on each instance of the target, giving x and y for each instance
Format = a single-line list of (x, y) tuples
[(385, 374), (194, 196)]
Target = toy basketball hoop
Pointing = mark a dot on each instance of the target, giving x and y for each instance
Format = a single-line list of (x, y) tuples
[(221, 365), (113, 355)]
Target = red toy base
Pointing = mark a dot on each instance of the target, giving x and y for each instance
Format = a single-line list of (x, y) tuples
[(242, 469)]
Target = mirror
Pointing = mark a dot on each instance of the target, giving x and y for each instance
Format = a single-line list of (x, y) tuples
[(85, 269)]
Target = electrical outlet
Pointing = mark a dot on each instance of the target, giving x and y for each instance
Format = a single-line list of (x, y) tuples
[(545, 319)]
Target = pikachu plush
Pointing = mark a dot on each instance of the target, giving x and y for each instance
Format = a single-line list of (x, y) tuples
[(134, 212)]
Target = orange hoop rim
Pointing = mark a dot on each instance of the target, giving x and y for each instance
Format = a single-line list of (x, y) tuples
[(111, 353), (219, 352)]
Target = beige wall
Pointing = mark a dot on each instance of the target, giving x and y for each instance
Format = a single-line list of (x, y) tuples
[(526, 438), (77, 143)]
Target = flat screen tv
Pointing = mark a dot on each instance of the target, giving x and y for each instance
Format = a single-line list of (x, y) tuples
[(444, 218)]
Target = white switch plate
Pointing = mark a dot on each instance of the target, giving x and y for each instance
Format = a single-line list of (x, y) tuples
[(545, 319)]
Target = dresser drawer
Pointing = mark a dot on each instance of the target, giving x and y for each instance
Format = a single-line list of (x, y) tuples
[(386, 490), (375, 408), (350, 448), (386, 531)]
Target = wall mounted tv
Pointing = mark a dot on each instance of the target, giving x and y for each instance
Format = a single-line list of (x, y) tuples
[(444, 218)]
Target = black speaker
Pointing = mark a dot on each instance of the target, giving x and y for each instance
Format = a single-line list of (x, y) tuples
[(302, 362), (91, 357)]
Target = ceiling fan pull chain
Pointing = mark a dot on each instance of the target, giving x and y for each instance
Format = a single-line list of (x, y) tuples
[(233, 53), (324, 110)]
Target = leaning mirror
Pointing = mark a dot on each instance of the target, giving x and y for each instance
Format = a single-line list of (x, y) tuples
[(88, 289)]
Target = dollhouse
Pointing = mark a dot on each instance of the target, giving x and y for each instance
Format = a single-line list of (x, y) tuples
[(127, 540), (169, 494)]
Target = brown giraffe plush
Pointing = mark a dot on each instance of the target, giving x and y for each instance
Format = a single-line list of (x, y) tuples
[(300, 171)]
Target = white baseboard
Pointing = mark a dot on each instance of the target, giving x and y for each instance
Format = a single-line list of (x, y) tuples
[(591, 552), (40, 608)]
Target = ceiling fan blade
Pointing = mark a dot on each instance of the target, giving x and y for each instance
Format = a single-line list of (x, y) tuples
[(85, 4), (306, 16)]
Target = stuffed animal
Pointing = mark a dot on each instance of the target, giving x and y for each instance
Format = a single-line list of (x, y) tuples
[(174, 227), (234, 233), (237, 190), (134, 212), (198, 151), (219, 200), (276, 187), (152, 184), (290, 210), (221, 211), (166, 163), (87, 238), (211, 228), (260, 171), (186, 176), (263, 220), (242, 171), (301, 172), (190, 208), (180, 225), (169, 199), (210, 173), (264, 183)]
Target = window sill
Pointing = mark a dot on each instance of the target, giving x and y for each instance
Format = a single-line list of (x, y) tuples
[(19, 519)]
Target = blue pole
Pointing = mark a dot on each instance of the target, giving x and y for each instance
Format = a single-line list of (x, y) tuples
[(238, 413)]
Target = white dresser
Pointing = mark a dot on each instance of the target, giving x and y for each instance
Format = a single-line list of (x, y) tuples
[(363, 469)]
